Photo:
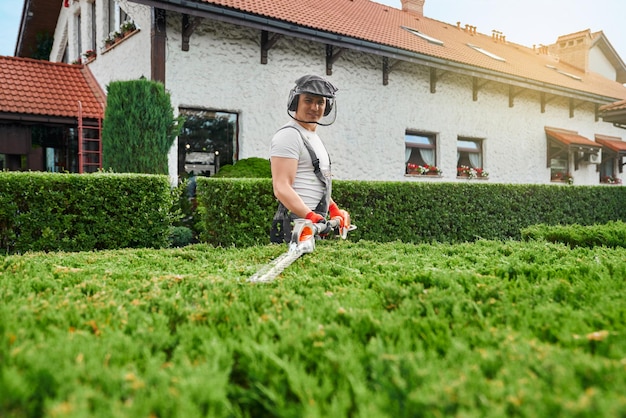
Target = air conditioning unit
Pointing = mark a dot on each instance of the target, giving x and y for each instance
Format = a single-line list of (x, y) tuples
[(595, 158)]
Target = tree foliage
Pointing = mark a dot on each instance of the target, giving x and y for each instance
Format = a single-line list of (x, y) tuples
[(139, 127)]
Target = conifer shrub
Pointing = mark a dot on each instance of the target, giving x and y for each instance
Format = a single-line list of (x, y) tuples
[(253, 167), (139, 127), (612, 234)]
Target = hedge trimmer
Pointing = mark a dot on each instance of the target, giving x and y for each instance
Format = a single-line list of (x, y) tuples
[(303, 236)]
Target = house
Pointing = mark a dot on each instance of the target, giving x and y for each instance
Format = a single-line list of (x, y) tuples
[(50, 116), (413, 91)]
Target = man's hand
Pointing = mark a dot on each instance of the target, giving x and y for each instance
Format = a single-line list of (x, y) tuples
[(335, 212), (315, 217)]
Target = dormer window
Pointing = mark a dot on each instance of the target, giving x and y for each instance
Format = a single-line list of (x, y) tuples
[(575, 77), (484, 51), (424, 36)]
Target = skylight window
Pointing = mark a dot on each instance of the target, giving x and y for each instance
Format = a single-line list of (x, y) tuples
[(575, 77), (489, 54), (424, 36)]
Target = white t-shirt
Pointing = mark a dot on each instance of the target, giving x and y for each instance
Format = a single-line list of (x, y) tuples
[(287, 143)]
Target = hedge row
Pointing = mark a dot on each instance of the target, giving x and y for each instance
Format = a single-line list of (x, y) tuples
[(611, 234), (239, 211), (72, 212)]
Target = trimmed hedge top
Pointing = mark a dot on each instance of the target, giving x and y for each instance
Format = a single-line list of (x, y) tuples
[(239, 211), (74, 212)]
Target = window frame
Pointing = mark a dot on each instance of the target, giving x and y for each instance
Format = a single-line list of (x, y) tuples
[(419, 158), (479, 170), (219, 153)]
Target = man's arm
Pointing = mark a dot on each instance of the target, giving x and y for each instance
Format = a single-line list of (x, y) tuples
[(283, 176)]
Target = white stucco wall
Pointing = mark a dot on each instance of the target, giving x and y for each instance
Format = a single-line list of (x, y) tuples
[(600, 64), (222, 71)]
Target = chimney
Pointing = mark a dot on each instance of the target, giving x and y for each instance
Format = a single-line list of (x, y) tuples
[(573, 49), (415, 7)]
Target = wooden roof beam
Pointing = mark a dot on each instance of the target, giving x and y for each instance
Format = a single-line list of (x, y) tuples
[(387, 68), (267, 43), (332, 55), (477, 86), (188, 28)]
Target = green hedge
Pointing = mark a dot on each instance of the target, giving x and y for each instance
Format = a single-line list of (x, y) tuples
[(239, 211), (611, 234), (72, 212)]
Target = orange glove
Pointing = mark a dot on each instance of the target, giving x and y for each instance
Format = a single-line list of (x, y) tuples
[(335, 212), (314, 217)]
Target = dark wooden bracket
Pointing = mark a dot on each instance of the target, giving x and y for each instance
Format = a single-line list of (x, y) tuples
[(573, 106), (545, 101), (188, 27), (513, 93), (434, 78), (332, 55), (267, 43), (476, 86), (387, 68), (596, 111)]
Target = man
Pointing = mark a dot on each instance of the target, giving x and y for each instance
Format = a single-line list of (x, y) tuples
[(300, 164)]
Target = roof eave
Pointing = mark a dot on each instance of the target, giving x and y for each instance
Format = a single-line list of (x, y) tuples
[(220, 13)]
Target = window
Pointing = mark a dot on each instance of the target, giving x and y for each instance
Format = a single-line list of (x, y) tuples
[(559, 162), (424, 36), (470, 158), (79, 37), (420, 151), (92, 43), (117, 16), (208, 140), (487, 53), (570, 75)]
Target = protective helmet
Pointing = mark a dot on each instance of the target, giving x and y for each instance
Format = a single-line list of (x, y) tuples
[(313, 84)]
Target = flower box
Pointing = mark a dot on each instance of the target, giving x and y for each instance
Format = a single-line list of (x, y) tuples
[(471, 172), (422, 170), (562, 178)]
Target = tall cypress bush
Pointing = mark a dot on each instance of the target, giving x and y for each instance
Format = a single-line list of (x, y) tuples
[(139, 127)]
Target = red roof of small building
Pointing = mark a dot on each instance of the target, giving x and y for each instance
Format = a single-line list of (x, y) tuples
[(44, 88), (570, 137), (620, 105), (380, 24), (612, 142)]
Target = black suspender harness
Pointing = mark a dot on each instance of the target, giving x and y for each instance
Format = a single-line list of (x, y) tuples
[(283, 218)]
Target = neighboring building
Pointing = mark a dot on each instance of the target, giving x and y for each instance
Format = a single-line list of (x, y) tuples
[(413, 91), (45, 108)]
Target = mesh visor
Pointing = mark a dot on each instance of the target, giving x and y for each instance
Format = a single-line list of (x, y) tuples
[(316, 85)]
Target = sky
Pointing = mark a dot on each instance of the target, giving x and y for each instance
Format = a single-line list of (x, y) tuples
[(525, 22), (533, 22)]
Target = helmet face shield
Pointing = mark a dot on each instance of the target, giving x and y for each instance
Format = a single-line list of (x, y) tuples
[(316, 86)]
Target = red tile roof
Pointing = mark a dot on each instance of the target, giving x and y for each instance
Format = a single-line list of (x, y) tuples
[(612, 142), (570, 137), (380, 24), (620, 105), (36, 87)]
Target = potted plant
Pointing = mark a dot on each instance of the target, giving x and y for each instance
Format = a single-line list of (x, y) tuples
[(471, 172), (423, 170), (610, 180), (127, 27), (109, 40), (89, 55), (562, 177)]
